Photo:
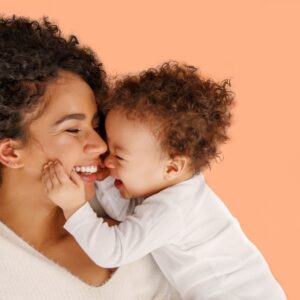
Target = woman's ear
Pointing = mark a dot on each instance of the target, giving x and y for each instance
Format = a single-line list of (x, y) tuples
[(176, 167), (9, 153)]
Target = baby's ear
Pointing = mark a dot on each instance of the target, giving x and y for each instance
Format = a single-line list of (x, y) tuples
[(175, 167), (9, 153)]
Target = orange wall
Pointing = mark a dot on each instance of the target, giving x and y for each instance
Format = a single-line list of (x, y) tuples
[(257, 45)]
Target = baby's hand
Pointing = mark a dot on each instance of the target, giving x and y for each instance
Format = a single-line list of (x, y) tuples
[(66, 192)]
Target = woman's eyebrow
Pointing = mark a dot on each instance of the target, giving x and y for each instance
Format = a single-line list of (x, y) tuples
[(70, 117), (73, 117)]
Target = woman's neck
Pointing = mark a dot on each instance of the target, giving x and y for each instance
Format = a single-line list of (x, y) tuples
[(25, 209)]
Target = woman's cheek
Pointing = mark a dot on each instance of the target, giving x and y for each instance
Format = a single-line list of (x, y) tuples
[(69, 159)]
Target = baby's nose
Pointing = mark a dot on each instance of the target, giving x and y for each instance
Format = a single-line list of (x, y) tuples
[(109, 162)]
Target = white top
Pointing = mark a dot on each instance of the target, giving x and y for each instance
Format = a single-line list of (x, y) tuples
[(196, 242), (25, 274)]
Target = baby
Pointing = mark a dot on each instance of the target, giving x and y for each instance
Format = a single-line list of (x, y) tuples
[(163, 127)]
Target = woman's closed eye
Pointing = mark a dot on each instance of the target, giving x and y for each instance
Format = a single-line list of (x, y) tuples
[(73, 130), (77, 130)]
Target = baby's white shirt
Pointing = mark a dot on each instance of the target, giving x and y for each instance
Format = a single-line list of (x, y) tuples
[(194, 239)]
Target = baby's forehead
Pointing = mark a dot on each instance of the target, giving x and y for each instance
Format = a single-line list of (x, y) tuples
[(131, 134), (122, 121)]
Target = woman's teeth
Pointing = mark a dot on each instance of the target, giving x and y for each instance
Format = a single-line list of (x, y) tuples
[(87, 169)]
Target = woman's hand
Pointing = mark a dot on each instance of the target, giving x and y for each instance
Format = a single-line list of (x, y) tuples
[(66, 192)]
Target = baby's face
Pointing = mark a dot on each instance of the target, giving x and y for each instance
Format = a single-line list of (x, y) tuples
[(136, 160)]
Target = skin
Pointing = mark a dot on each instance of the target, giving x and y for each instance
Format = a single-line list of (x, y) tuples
[(27, 209), (135, 160)]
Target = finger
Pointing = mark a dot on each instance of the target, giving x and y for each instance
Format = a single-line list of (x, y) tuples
[(76, 178), (60, 172), (46, 180), (53, 175), (45, 166)]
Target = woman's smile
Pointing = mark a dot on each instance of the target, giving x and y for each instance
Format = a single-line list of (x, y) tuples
[(89, 172)]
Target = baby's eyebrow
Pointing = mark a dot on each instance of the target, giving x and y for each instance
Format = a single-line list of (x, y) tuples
[(117, 147), (121, 149)]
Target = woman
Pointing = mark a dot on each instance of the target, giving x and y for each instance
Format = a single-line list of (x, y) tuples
[(48, 110)]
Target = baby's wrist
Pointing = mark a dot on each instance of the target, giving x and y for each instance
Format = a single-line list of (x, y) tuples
[(70, 211)]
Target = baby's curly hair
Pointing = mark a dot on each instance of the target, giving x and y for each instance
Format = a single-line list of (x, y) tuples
[(192, 113), (31, 53)]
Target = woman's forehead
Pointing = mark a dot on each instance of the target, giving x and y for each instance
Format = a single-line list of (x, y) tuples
[(65, 95), (69, 93)]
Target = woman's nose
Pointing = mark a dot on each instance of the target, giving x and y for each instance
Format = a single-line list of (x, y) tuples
[(109, 162), (95, 144)]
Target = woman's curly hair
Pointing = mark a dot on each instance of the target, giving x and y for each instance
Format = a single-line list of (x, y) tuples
[(31, 53), (192, 113)]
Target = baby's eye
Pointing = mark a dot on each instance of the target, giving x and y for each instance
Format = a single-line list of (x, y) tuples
[(73, 130), (119, 158)]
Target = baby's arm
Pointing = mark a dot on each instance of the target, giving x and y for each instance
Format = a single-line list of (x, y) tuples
[(152, 226), (154, 223), (111, 200), (66, 192)]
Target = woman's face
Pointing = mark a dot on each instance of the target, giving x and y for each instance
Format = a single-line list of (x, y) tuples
[(65, 130)]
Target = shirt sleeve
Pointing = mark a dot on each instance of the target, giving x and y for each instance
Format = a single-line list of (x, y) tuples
[(111, 200), (151, 226)]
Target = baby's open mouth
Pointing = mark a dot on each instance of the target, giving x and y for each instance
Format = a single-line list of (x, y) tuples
[(118, 183)]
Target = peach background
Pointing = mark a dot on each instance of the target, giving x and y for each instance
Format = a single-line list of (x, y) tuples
[(257, 45)]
